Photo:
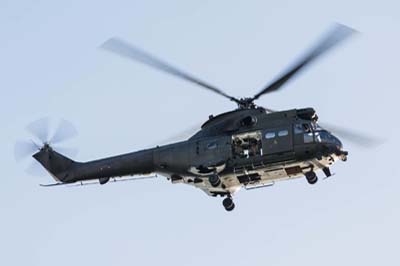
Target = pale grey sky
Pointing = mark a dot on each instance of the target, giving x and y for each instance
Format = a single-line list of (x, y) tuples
[(51, 66)]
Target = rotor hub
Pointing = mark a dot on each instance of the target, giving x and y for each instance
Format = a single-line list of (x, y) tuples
[(246, 103), (46, 147)]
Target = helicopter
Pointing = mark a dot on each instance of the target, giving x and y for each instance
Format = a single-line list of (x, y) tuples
[(249, 147)]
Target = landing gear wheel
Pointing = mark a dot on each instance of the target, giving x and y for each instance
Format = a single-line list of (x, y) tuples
[(228, 204), (311, 177), (214, 180)]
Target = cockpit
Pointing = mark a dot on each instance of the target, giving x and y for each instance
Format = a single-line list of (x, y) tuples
[(312, 132)]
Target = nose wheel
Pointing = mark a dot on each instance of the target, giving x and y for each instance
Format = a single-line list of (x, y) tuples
[(228, 203)]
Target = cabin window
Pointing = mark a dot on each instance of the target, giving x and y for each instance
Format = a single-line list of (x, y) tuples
[(212, 145), (283, 133), (270, 135)]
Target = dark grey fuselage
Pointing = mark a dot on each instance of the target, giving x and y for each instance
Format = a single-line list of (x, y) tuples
[(242, 139)]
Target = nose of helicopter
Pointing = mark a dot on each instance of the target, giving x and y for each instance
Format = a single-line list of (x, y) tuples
[(339, 146), (338, 143)]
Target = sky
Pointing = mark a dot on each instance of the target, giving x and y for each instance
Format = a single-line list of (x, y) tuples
[(51, 65)]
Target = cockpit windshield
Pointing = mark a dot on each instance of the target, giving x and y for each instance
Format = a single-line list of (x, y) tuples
[(316, 126), (324, 136)]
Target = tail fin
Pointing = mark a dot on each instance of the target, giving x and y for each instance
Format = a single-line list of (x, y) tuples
[(55, 163)]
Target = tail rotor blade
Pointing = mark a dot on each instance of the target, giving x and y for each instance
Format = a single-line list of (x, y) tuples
[(24, 149), (40, 129), (65, 131)]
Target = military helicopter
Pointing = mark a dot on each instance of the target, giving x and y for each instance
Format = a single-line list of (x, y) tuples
[(248, 147)]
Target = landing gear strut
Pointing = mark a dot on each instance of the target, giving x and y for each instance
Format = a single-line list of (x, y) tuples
[(311, 177), (228, 203)]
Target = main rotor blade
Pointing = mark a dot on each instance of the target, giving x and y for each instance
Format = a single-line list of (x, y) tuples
[(357, 138), (183, 135), (344, 133), (124, 49), (338, 34)]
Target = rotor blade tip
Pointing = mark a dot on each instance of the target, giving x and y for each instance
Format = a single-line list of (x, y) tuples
[(344, 29), (108, 43)]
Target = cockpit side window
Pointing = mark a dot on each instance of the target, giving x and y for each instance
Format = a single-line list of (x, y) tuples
[(307, 128)]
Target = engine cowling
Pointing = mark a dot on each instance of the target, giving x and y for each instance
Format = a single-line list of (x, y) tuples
[(249, 121)]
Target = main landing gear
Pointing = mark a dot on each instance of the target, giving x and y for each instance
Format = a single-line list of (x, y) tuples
[(228, 203), (214, 180), (311, 177)]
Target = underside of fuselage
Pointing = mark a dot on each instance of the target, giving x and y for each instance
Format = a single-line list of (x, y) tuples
[(258, 176)]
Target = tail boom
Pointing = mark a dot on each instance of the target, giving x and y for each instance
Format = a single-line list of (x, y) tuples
[(65, 170)]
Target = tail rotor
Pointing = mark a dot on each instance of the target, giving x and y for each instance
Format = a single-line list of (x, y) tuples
[(44, 135)]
